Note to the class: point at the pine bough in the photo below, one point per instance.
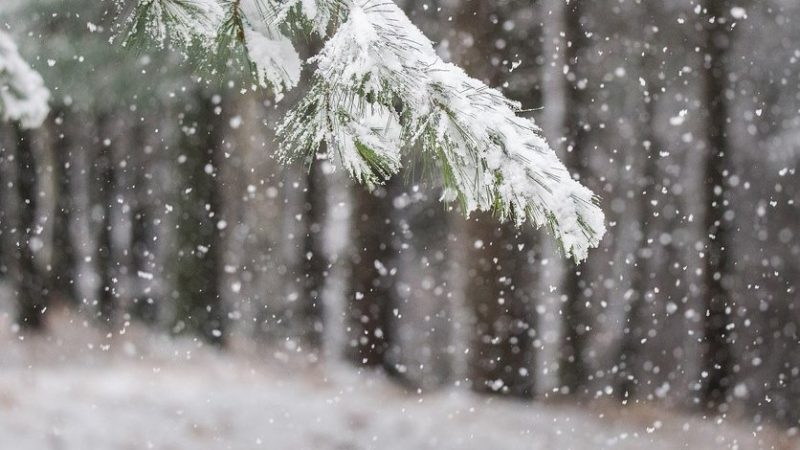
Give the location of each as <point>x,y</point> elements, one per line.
<point>23,96</point>
<point>378,88</point>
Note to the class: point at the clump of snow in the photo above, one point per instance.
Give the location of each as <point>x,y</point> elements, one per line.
<point>23,95</point>
<point>277,62</point>
<point>737,12</point>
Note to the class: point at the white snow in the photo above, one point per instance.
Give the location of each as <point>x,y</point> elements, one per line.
<point>379,88</point>
<point>23,96</point>
<point>495,158</point>
<point>67,392</point>
<point>144,275</point>
<point>737,12</point>
<point>277,61</point>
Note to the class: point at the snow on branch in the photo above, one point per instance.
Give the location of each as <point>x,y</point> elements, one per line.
<point>23,96</point>
<point>309,15</point>
<point>243,34</point>
<point>179,21</point>
<point>380,89</point>
<point>248,37</point>
<point>378,73</point>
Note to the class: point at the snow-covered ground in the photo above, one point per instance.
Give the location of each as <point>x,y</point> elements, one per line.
<point>70,391</point>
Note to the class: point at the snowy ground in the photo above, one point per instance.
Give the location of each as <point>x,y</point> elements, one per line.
<point>70,391</point>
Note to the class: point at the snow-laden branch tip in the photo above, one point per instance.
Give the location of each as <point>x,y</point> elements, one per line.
<point>23,95</point>
<point>380,89</point>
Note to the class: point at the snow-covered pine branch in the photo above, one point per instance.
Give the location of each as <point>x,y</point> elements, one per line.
<point>241,33</point>
<point>179,21</point>
<point>23,96</point>
<point>379,89</point>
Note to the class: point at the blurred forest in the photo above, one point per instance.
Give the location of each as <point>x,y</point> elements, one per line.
<point>153,195</point>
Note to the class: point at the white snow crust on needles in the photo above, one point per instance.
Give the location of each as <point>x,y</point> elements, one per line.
<point>276,61</point>
<point>493,159</point>
<point>23,96</point>
<point>379,90</point>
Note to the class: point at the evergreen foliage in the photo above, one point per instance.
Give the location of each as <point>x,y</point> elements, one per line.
<point>378,88</point>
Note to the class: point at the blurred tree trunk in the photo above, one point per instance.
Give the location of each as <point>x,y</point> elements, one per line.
<point>315,264</point>
<point>502,353</point>
<point>62,281</point>
<point>105,181</point>
<point>30,281</point>
<point>573,367</point>
<point>635,326</point>
<point>8,213</point>
<point>423,334</point>
<point>144,306</point>
<point>286,320</point>
<point>500,260</point>
<point>718,358</point>
<point>143,236</point>
<point>161,196</point>
<point>81,198</point>
<point>198,227</point>
<point>369,310</point>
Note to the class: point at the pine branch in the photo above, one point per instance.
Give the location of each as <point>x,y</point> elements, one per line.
<point>242,35</point>
<point>379,88</point>
<point>180,22</point>
<point>305,16</point>
<point>256,48</point>
<point>361,137</point>
<point>490,158</point>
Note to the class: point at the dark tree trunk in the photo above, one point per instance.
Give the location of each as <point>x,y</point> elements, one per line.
<point>315,264</point>
<point>106,267</point>
<point>635,325</point>
<point>144,306</point>
<point>369,307</point>
<point>502,354</point>
<point>30,282</point>
<point>198,230</point>
<point>573,368</point>
<point>143,235</point>
<point>62,280</point>
<point>8,216</point>
<point>718,358</point>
